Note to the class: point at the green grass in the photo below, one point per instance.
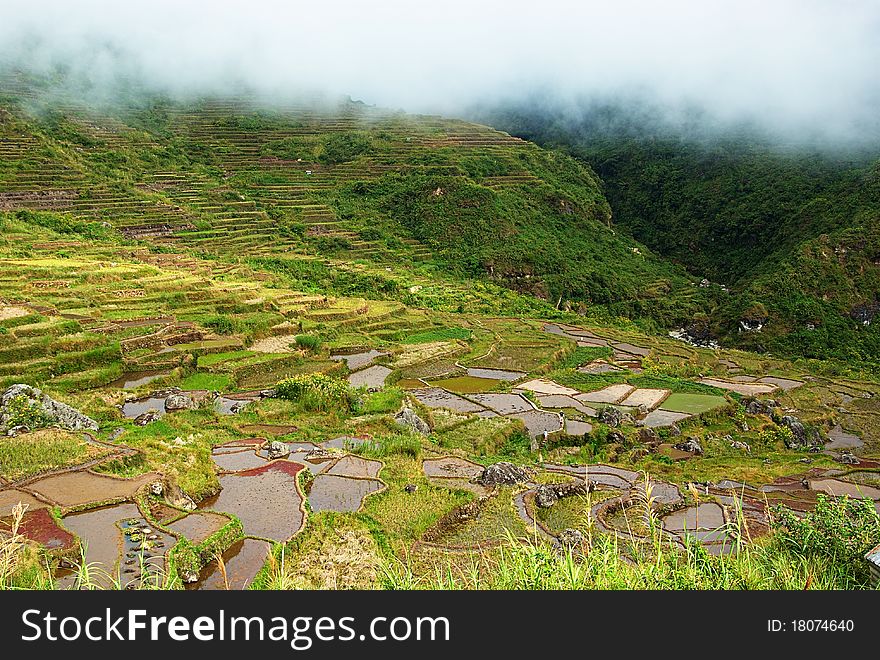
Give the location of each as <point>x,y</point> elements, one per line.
<point>442,334</point>
<point>203,381</point>
<point>43,450</point>
<point>694,404</point>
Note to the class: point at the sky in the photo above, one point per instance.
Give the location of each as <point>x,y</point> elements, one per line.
<point>791,64</point>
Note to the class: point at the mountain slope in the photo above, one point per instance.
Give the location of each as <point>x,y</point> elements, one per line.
<point>791,230</point>
<point>344,182</point>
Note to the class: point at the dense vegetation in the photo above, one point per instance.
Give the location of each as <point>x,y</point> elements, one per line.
<point>792,230</point>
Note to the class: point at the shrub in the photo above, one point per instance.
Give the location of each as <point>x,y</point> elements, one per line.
<point>22,411</point>
<point>773,435</point>
<point>308,342</point>
<point>221,324</point>
<point>839,530</point>
<point>318,392</point>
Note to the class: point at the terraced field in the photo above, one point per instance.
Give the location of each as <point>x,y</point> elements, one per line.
<point>267,366</point>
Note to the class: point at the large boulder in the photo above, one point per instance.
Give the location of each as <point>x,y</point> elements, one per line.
<point>571,538</point>
<point>802,436</point>
<point>409,419</point>
<point>610,416</point>
<point>52,411</point>
<point>276,450</point>
<point>503,473</point>
<point>178,401</point>
<point>691,445</point>
<point>546,495</point>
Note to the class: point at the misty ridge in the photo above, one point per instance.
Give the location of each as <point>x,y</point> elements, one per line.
<point>788,73</point>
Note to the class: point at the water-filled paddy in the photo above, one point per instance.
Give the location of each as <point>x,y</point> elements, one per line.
<point>435,397</point>
<point>503,404</point>
<point>134,380</point>
<point>495,374</point>
<point>337,493</point>
<point>467,384</point>
<point>241,563</point>
<point>372,378</point>
<point>266,500</point>
<point>113,554</point>
<point>197,527</point>
<point>358,360</point>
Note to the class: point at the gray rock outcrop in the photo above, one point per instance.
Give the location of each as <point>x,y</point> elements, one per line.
<point>53,412</point>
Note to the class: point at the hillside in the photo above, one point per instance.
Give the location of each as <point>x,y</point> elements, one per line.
<point>341,181</point>
<point>792,230</point>
<point>332,347</point>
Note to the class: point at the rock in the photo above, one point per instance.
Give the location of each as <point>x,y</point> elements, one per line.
<point>674,431</point>
<point>53,412</point>
<point>178,401</point>
<point>744,446</point>
<point>409,419</point>
<point>276,450</point>
<point>755,407</point>
<point>410,488</point>
<point>802,435</point>
<point>546,495</point>
<point>503,473</point>
<point>847,459</point>
<point>176,497</point>
<point>116,434</point>
<point>18,430</point>
<point>188,577</point>
<point>610,416</point>
<point>318,454</point>
<point>571,538</point>
<point>615,437</point>
<point>147,418</point>
<point>691,445</point>
<point>648,436</point>
<point>268,394</point>
<point>157,488</point>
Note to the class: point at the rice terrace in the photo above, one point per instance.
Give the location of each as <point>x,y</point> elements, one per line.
<point>317,344</point>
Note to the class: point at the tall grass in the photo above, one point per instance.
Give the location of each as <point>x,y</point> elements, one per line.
<point>790,558</point>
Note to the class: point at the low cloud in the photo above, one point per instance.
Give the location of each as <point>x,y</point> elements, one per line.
<point>793,65</point>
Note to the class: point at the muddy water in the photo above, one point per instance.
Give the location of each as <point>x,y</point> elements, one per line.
<point>372,378</point>
<point>467,384</point>
<point>335,493</point>
<point>840,488</point>
<point>234,461</point>
<point>451,467</point>
<point>503,404</point>
<point>265,499</point>
<point>83,487</point>
<point>241,562</point>
<point>114,554</point>
<point>495,374</point>
<point>840,439</point>
<point>197,527</point>
<point>563,401</point>
<point>9,497</point>
<point>41,527</point>
<point>659,418</point>
<point>434,397</point>
<point>538,422</point>
<point>134,409</point>
<point>706,516</point>
<point>136,379</point>
<point>226,406</point>
<point>356,361</point>
<point>355,466</point>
